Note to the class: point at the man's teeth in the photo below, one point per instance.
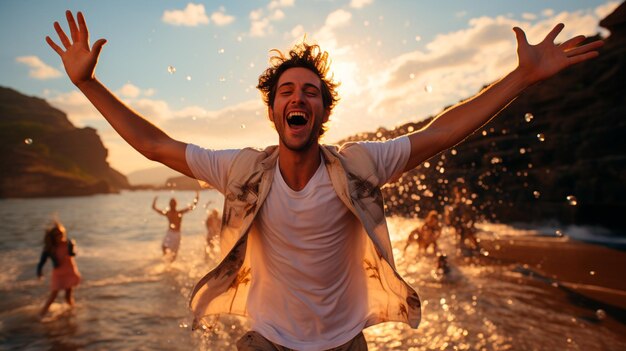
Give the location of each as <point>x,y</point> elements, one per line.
<point>296,118</point>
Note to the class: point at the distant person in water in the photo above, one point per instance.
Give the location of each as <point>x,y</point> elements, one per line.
<point>65,275</point>
<point>462,217</point>
<point>213,227</point>
<point>171,242</point>
<point>426,235</point>
<point>306,251</point>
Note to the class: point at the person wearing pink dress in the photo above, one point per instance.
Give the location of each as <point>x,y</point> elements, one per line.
<point>65,275</point>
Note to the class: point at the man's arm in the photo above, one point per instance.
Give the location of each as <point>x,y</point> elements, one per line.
<point>535,63</point>
<point>80,60</point>
<point>192,205</point>
<point>155,208</point>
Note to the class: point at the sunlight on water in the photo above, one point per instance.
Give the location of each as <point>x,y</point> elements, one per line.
<point>130,298</point>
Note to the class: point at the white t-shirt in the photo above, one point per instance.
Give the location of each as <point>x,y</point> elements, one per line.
<point>308,289</point>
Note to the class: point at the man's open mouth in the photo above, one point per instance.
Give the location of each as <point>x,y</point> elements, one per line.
<point>296,119</point>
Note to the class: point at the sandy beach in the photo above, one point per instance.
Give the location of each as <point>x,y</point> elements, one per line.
<point>594,271</point>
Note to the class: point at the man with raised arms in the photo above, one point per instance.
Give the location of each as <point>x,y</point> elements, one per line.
<point>306,251</point>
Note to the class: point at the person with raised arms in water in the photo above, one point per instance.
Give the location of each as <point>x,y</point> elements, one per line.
<point>171,241</point>
<point>306,253</point>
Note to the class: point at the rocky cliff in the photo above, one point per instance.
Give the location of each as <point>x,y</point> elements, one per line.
<point>557,152</point>
<point>43,154</point>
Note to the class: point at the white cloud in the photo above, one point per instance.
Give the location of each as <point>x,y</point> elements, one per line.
<point>78,109</point>
<point>297,31</point>
<point>220,18</point>
<point>280,3</point>
<point>192,16</point>
<point>129,90</point>
<point>261,24</point>
<point>606,9</point>
<point>260,28</point>
<point>277,15</point>
<point>38,69</point>
<point>529,16</point>
<point>338,18</point>
<point>547,12</point>
<point>357,4</point>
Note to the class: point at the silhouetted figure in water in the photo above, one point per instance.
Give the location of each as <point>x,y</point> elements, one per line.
<point>213,226</point>
<point>306,251</point>
<point>426,235</point>
<point>462,218</point>
<point>171,241</point>
<point>65,276</point>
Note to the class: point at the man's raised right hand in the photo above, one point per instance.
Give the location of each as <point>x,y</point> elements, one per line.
<point>78,58</point>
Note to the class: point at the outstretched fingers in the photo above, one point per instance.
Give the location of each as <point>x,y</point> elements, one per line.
<point>82,26</point>
<point>72,24</point>
<point>554,33</point>
<point>64,40</point>
<point>585,49</point>
<point>54,46</point>
<point>583,57</point>
<point>572,43</point>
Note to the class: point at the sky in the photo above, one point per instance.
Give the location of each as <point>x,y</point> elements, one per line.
<point>191,68</point>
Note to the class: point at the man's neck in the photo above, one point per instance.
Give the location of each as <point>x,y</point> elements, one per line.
<point>298,167</point>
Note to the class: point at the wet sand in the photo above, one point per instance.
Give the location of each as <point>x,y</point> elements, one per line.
<point>594,271</point>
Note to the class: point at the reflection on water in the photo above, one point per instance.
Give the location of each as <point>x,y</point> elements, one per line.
<point>130,299</point>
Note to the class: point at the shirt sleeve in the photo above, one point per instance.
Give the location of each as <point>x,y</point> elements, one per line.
<point>390,156</point>
<point>210,166</point>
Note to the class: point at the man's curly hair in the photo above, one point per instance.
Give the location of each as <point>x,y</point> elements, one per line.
<point>301,55</point>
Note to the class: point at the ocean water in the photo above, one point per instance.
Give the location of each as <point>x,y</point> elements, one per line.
<point>130,299</point>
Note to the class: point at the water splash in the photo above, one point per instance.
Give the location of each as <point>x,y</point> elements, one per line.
<point>528,117</point>
<point>571,199</point>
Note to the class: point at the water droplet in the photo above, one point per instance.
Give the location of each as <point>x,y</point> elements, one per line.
<point>559,233</point>
<point>222,79</point>
<point>496,160</point>
<point>536,194</point>
<point>243,126</point>
<point>592,272</point>
<point>418,38</point>
<point>28,141</point>
<point>426,164</point>
<point>541,137</point>
<point>188,77</point>
<point>522,151</point>
<point>453,151</point>
<point>528,117</point>
<point>220,51</point>
<point>412,75</point>
<point>600,314</point>
<point>571,199</point>
<point>171,69</point>
<point>193,118</point>
<point>428,88</point>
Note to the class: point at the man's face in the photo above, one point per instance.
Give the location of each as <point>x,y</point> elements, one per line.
<point>298,111</point>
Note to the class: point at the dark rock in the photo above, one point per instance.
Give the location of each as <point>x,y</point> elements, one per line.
<point>42,154</point>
